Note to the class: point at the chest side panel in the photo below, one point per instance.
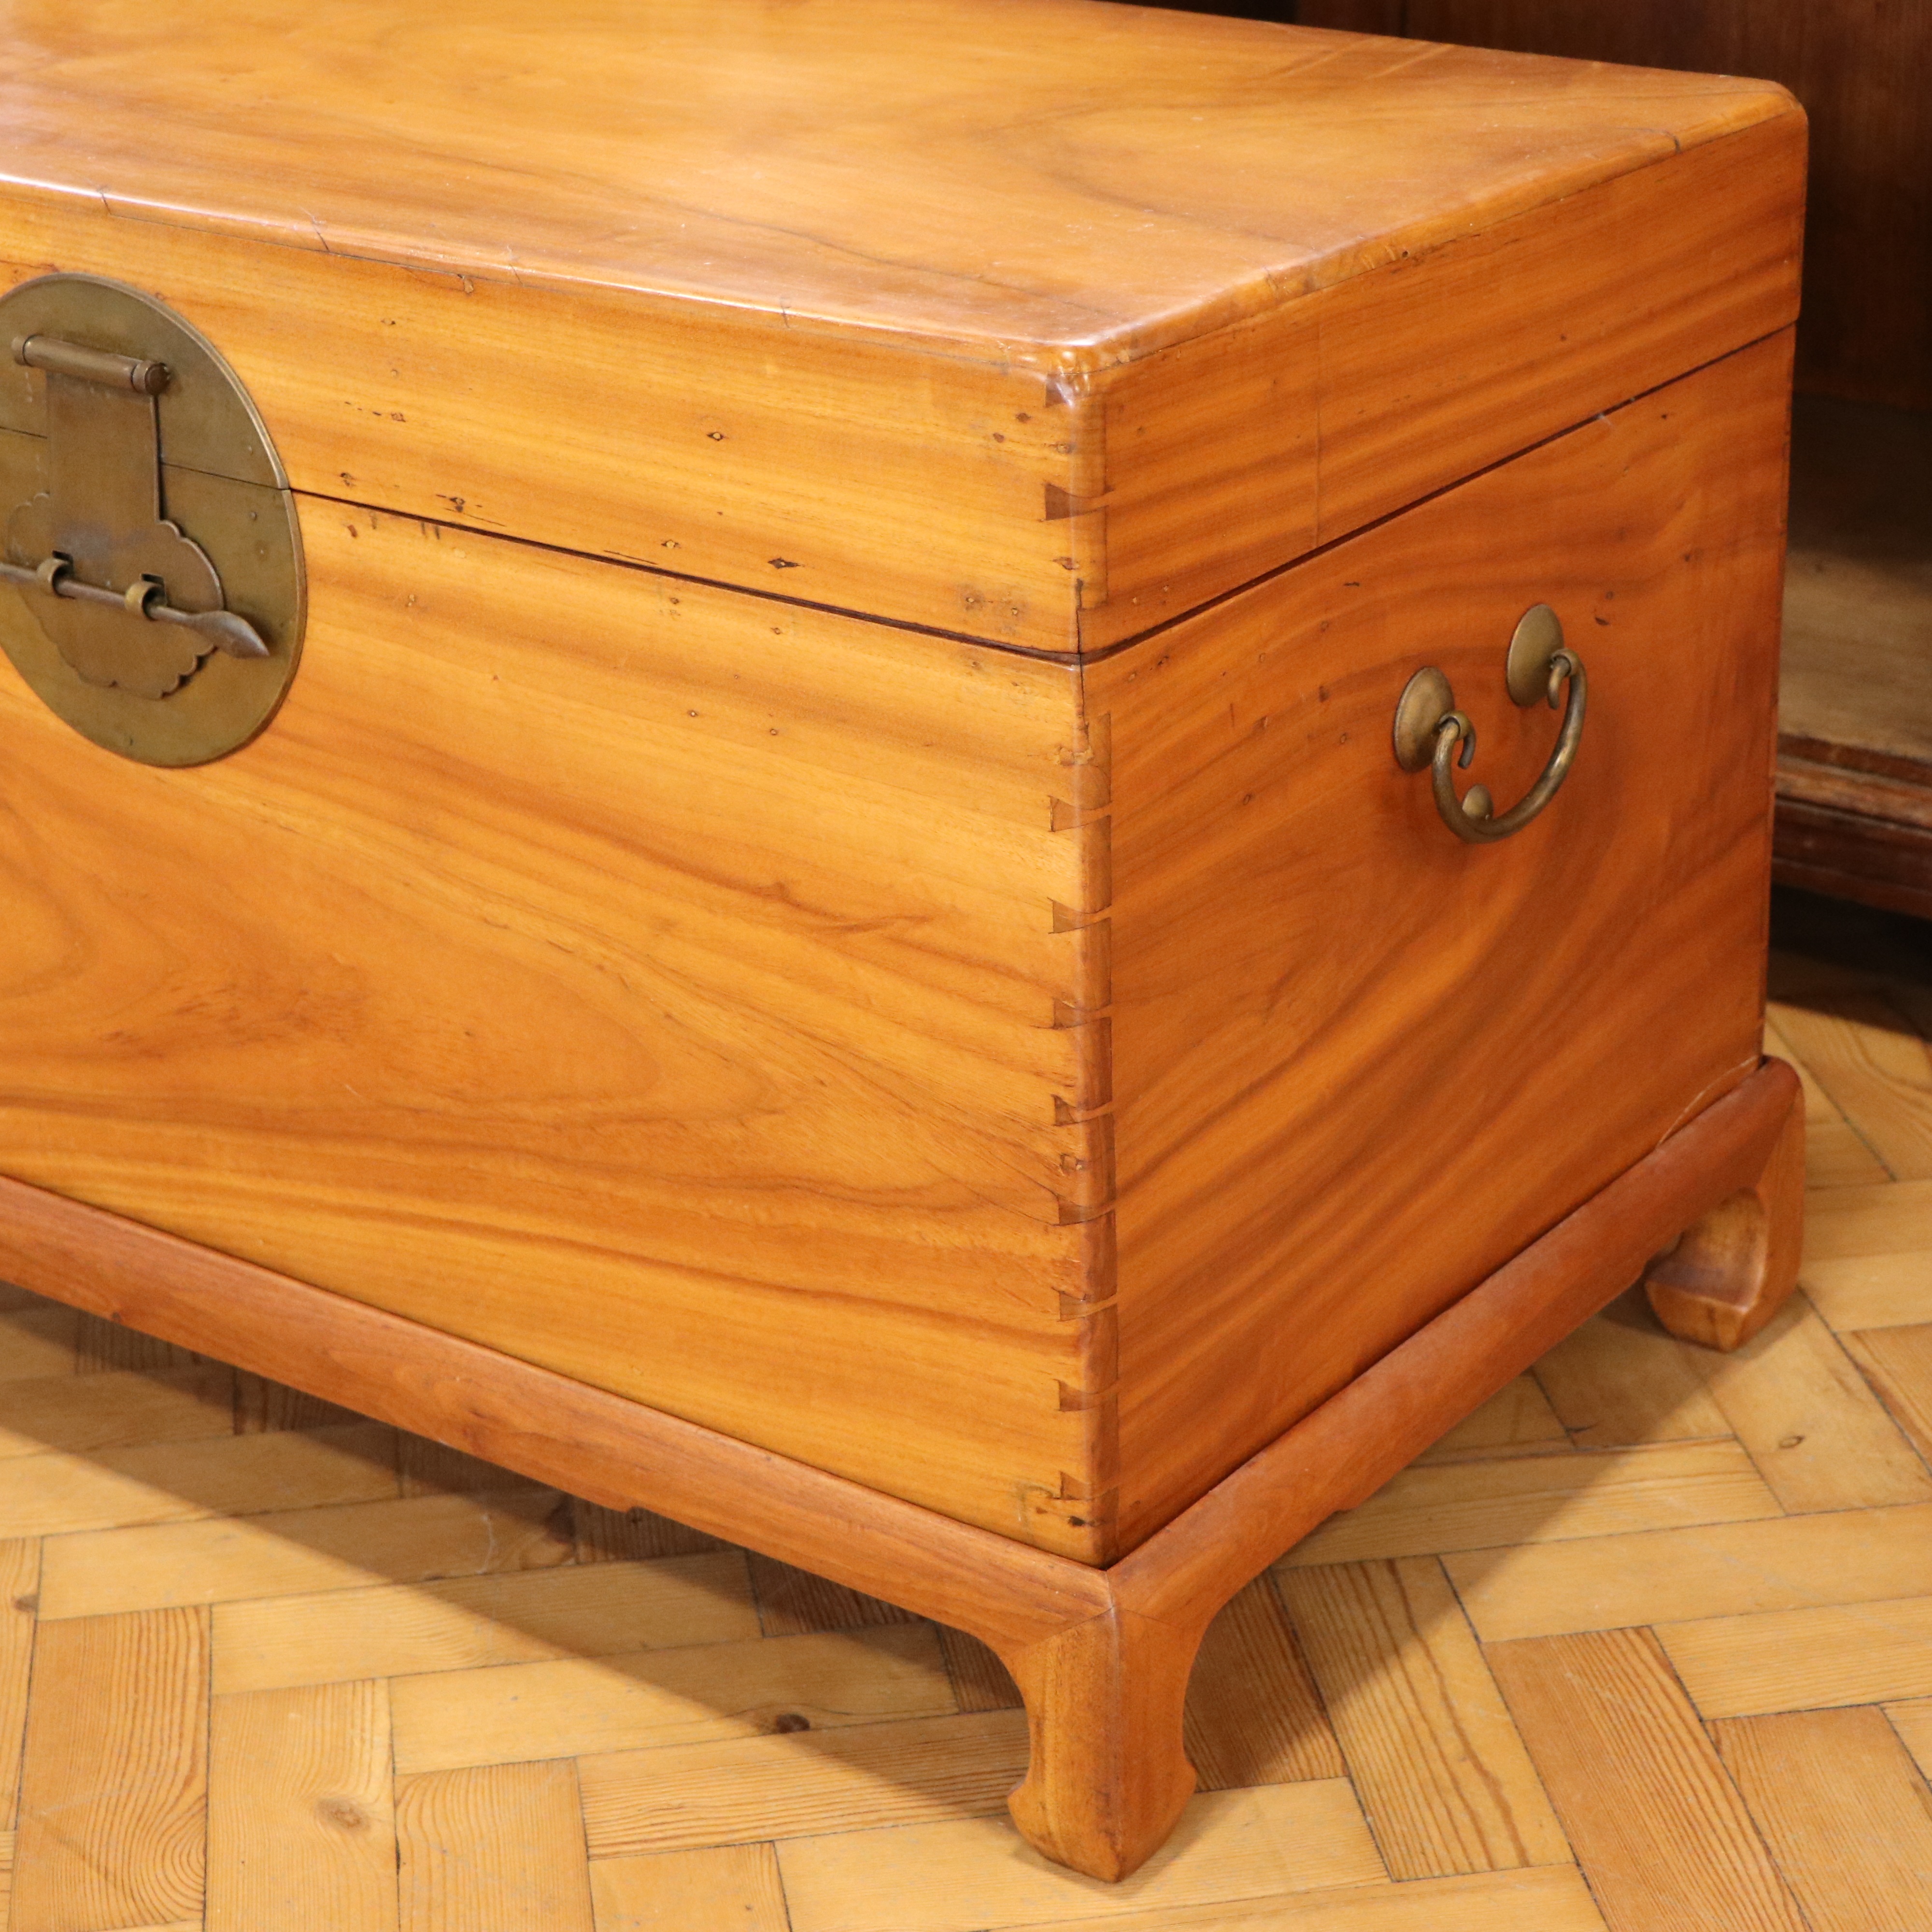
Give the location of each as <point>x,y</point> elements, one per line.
<point>676,989</point>
<point>1358,1063</point>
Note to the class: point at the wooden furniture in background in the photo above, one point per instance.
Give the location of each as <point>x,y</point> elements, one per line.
<point>1854,784</point>
<point>831,917</point>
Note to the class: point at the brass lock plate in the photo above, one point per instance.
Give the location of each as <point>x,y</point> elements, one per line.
<point>151,590</point>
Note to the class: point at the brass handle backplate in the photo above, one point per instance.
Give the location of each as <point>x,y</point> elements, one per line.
<point>1430,732</point>
<point>151,579</point>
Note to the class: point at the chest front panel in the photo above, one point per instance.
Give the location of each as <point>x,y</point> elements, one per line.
<point>675,989</point>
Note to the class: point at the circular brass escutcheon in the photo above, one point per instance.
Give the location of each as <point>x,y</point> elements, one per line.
<point>1537,637</point>
<point>155,597</point>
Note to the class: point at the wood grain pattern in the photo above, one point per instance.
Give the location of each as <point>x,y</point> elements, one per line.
<point>1866,1262</point>
<point>1102,1659</point>
<point>1440,1772</point>
<point>1517,1420</point>
<point>300,1826</point>
<point>633,1535</point>
<point>831,395</point>
<point>1434,1509</point>
<point>107,1571</point>
<point>1253,1715</point>
<point>803,1094</point>
<point>468,1623</point>
<point>1868,1057</point>
<point>1867,294</point>
<point>1709,1569</point>
<point>1620,1380</point>
<point>172,1482</point>
<point>1637,1785</point>
<point>792,1602</point>
<point>1804,1660</point>
<point>1819,1436</point>
<point>584,1706</point>
<point>733,1886</point>
<point>1844,1811</point>
<point>800,1783</point>
<point>20,1601</point>
<point>1899,1362</point>
<point>114,1780</point>
<point>1835,1152</point>
<point>1255,1085</point>
<point>959,1877</point>
<point>1545,1899</point>
<point>1734,1267</point>
<point>499,1846</point>
<point>117,1409</point>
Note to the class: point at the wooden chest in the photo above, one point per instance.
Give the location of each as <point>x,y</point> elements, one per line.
<point>802,909</point>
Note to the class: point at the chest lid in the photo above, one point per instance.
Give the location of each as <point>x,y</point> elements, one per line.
<point>1036,322</point>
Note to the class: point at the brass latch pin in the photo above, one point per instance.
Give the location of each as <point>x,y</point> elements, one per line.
<point>224,629</point>
<point>143,377</point>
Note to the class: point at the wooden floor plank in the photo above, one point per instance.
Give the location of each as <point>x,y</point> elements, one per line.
<point>19,1587</point>
<point>635,1536</point>
<point>667,1697</point>
<point>1871,1060</point>
<point>977,1873</point>
<point>731,1888</point>
<point>116,1410</point>
<point>102,1347</point>
<point>1804,1660</point>
<point>1429,1509</point>
<point>794,1602</point>
<point>37,1341</point>
<point>401,1629</point>
<point>1671,1576</point>
<point>261,1406</point>
<point>1659,1828</point>
<point>426,1469</point>
<point>980,1681</point>
<point>1620,1380</point>
<point>1844,1810</point>
<point>1539,1898</point>
<point>280,1552</point>
<point>1253,1715</point>
<point>114,1779</point>
<point>1436,1761</point>
<point>301,1833</point>
<point>498,1849</point>
<point>802,1784</point>
<point>1868,1259</point>
<point>1899,1362</point>
<point>176,1482</point>
<point>1819,1437</point>
<point>1863,1291</point>
<point>1517,1417</point>
<point>1835,1154</point>
<point>1912,1722</point>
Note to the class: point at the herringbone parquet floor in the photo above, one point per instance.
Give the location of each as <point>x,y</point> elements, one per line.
<point>1646,1644</point>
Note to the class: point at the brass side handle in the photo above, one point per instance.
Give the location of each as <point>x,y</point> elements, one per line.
<point>1430,731</point>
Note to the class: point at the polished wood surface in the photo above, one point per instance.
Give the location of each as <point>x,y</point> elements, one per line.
<point>727,316</point>
<point>839,1061</point>
<point>1102,1658</point>
<point>1514,1533</point>
<point>609,1451</point>
<point>1734,1270</point>
<point>686,994</point>
<point>1313,982</point>
<point>1854,64</point>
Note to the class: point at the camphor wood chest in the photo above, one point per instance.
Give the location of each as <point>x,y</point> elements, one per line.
<point>826,933</point>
